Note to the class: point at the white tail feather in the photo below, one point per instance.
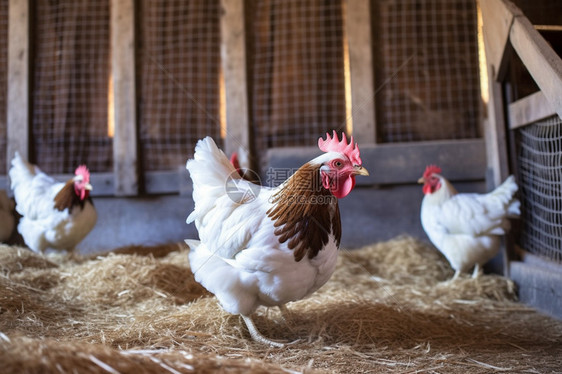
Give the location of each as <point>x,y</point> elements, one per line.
<point>506,194</point>
<point>21,171</point>
<point>209,170</point>
<point>21,177</point>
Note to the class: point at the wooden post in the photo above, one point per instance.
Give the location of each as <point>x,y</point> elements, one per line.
<point>233,60</point>
<point>497,18</point>
<point>125,163</point>
<point>18,103</point>
<point>496,143</point>
<point>358,30</point>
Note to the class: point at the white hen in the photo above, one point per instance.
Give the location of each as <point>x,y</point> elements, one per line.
<point>7,219</point>
<point>54,214</point>
<point>466,227</point>
<point>268,246</point>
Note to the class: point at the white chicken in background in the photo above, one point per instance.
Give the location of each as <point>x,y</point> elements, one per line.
<point>54,214</point>
<point>466,227</point>
<point>268,246</point>
<point>241,162</point>
<point>7,219</point>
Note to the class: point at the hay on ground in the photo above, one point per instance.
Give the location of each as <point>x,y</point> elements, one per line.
<point>388,308</point>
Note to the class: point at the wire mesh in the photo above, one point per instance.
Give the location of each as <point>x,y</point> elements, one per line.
<point>179,65</point>
<point>427,75</point>
<point>539,169</point>
<point>297,71</point>
<point>70,43</point>
<point>3,82</point>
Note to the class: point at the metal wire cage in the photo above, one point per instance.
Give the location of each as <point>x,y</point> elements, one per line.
<point>426,64</point>
<point>539,169</point>
<point>537,159</point>
<point>179,85</point>
<point>427,73</point>
<point>296,70</point>
<point>70,43</point>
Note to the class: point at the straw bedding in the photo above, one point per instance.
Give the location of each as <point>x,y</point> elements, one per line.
<point>388,308</point>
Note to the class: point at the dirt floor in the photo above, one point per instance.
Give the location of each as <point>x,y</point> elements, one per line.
<point>388,308</point>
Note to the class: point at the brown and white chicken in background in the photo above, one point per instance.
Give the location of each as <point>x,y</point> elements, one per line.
<point>7,219</point>
<point>54,214</point>
<point>466,227</point>
<point>263,246</point>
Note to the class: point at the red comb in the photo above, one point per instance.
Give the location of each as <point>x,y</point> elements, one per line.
<point>84,172</point>
<point>333,144</point>
<point>431,169</point>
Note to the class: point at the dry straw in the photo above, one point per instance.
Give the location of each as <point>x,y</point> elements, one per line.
<point>388,309</point>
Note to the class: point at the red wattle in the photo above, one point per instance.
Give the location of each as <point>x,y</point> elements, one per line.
<point>343,187</point>
<point>428,188</point>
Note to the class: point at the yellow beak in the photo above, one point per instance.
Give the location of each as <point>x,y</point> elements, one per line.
<point>88,187</point>
<point>360,170</point>
<point>421,180</point>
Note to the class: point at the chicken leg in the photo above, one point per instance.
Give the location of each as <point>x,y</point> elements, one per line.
<point>456,276</point>
<point>257,336</point>
<point>477,271</point>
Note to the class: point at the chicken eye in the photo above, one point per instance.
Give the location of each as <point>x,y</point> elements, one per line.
<point>338,164</point>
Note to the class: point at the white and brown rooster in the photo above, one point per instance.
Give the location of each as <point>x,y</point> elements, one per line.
<point>268,246</point>
<point>466,227</point>
<point>54,214</point>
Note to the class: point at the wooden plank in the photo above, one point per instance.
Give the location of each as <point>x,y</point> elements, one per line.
<point>233,62</point>
<point>556,28</point>
<point>102,183</point>
<point>18,102</point>
<point>161,182</point>
<point>123,70</point>
<point>4,182</point>
<point>166,182</point>
<point>544,65</point>
<point>529,109</point>
<point>495,134</point>
<point>539,285</point>
<point>358,33</point>
<point>461,160</point>
<point>498,136</point>
<point>497,18</point>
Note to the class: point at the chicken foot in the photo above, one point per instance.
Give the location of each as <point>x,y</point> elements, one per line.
<point>257,336</point>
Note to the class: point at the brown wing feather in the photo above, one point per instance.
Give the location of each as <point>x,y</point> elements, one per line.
<point>67,198</point>
<point>301,212</point>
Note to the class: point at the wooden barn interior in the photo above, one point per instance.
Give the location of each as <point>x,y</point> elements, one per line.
<point>128,87</point>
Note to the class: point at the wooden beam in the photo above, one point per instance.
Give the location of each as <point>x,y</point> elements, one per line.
<point>233,62</point>
<point>165,182</point>
<point>125,158</point>
<point>495,133</point>
<point>4,182</point>
<point>556,28</point>
<point>544,65</point>
<point>18,103</point>
<point>529,109</point>
<point>538,282</point>
<point>103,183</point>
<point>396,163</point>
<point>497,18</point>
<point>361,68</point>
